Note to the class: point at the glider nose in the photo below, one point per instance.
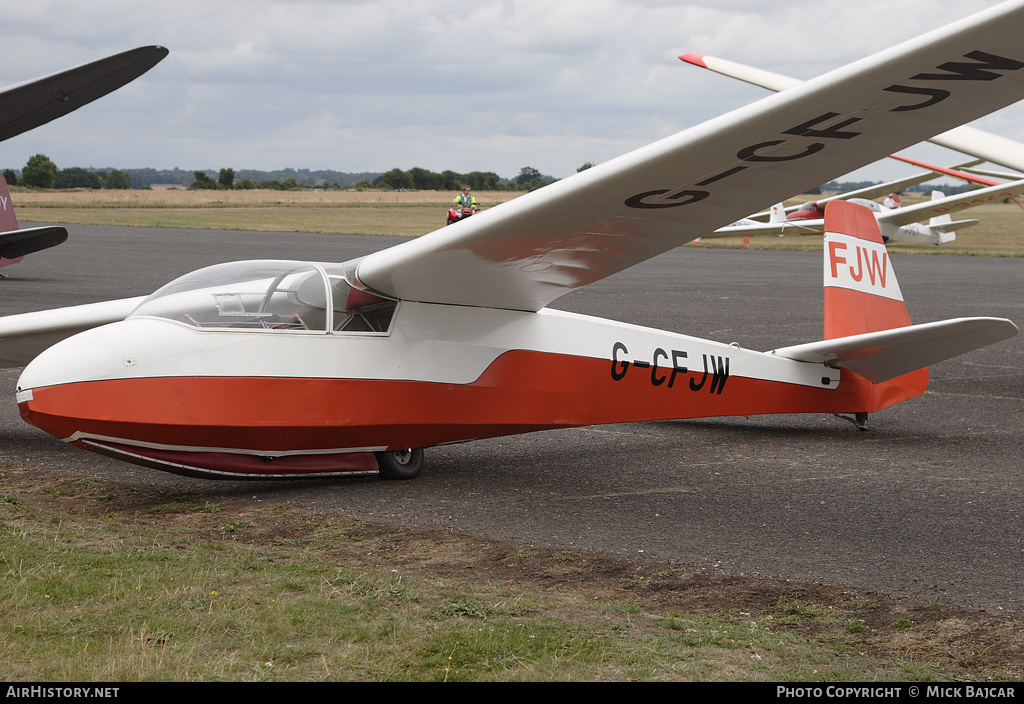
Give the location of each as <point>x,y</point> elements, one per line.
<point>58,389</point>
<point>81,383</point>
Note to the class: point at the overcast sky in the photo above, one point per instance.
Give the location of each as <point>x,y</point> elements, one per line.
<point>369,85</point>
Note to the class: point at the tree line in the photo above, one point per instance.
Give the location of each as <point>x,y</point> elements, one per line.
<point>529,179</point>
<point>41,172</point>
<point>396,179</point>
<point>847,186</point>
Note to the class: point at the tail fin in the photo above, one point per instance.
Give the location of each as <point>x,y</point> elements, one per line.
<point>942,227</point>
<point>943,219</point>
<point>861,291</point>
<point>868,333</point>
<point>862,294</point>
<point>883,359</point>
<point>8,221</point>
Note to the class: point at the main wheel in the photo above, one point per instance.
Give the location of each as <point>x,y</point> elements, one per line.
<point>400,464</point>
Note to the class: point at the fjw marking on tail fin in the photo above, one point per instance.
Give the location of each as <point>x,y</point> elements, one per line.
<point>867,329</point>
<point>15,243</point>
<point>861,290</point>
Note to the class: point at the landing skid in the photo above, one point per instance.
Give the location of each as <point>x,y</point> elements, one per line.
<point>858,419</point>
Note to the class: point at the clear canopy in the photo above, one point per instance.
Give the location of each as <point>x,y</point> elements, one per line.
<point>270,295</point>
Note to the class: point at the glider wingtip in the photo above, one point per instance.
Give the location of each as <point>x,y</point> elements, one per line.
<point>154,52</point>
<point>695,59</point>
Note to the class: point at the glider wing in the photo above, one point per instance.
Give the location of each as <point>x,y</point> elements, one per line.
<point>525,253</point>
<point>25,335</point>
<point>28,105</point>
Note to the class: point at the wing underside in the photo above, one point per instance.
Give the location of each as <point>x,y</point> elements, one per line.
<point>28,105</point>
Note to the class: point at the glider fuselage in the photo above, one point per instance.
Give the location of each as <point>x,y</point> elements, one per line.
<point>289,401</point>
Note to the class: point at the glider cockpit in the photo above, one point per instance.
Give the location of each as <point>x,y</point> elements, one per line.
<point>270,295</point>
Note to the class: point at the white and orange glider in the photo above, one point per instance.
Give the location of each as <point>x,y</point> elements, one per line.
<point>903,224</point>
<point>283,369</point>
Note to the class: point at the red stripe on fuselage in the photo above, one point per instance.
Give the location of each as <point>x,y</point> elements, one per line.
<point>521,391</point>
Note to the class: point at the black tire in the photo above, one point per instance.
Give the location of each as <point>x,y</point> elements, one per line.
<point>401,464</point>
<point>450,221</point>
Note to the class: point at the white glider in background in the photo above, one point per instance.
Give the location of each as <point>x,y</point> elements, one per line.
<point>877,190</point>
<point>296,369</point>
<point>968,140</point>
<point>904,224</point>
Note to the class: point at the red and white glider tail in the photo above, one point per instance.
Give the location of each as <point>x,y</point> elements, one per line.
<point>868,333</point>
<point>8,221</point>
<point>15,243</point>
<point>862,294</point>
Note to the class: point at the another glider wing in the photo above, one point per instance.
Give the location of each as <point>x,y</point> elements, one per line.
<point>964,138</point>
<point>28,105</point>
<point>24,336</point>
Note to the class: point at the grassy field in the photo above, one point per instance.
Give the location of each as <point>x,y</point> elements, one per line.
<point>1000,233</point>
<point>116,582</point>
<point>406,214</point>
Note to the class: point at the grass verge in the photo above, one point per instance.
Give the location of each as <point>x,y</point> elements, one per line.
<point>105,581</point>
<point>407,214</point>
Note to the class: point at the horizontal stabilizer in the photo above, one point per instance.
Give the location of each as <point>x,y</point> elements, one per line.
<point>954,225</point>
<point>880,356</point>
<point>21,242</point>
